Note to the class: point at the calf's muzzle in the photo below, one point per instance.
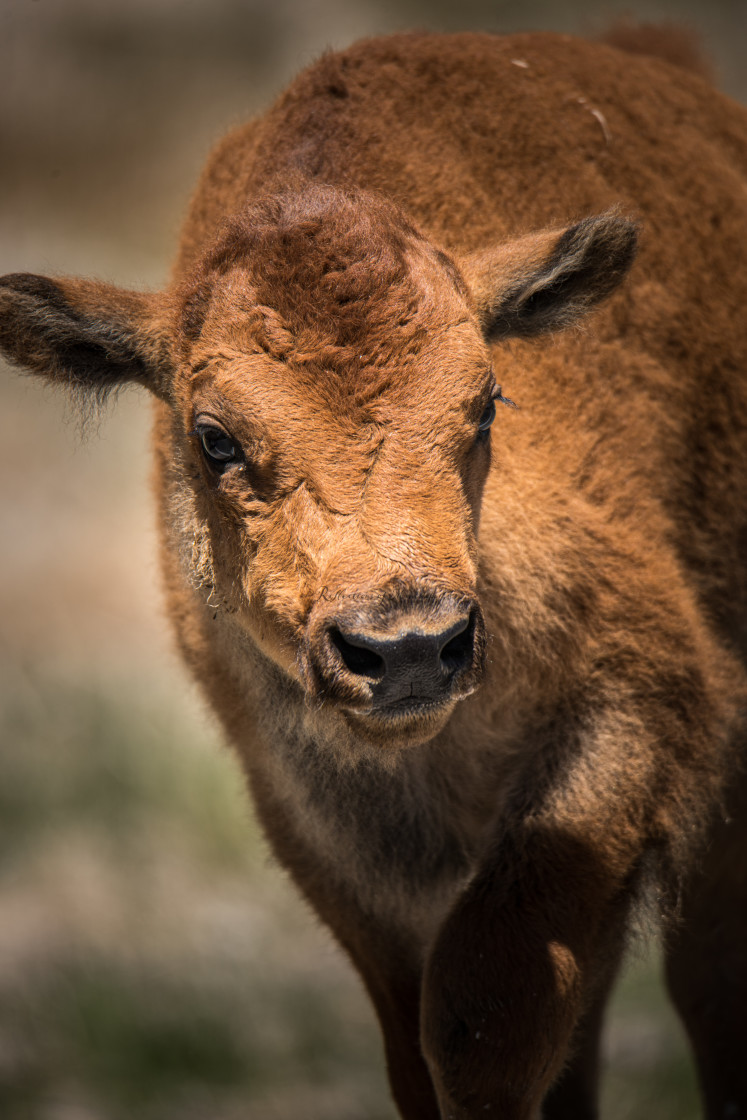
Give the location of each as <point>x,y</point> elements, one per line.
<point>395,659</point>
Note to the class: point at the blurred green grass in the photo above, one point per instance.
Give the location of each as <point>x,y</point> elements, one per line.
<point>78,756</point>
<point>648,1070</point>
<point>153,965</point>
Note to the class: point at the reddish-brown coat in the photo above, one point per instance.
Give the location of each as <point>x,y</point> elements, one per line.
<point>353,263</point>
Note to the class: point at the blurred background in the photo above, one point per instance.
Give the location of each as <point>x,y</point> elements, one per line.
<point>153,963</point>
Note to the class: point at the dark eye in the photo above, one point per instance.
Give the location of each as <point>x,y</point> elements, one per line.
<point>220,449</point>
<point>487,418</point>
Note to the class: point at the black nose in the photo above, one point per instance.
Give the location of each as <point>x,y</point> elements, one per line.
<point>410,664</point>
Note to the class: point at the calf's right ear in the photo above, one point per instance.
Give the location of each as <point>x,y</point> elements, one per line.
<point>86,334</point>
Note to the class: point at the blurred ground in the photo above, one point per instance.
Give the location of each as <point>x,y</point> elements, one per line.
<point>152,964</point>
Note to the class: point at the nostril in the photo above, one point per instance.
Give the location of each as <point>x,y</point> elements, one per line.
<point>458,651</point>
<point>357,659</point>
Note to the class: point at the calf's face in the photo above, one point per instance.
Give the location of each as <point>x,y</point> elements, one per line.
<point>331,386</point>
<point>335,396</point>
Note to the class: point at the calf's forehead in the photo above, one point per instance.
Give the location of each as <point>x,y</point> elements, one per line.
<point>438,375</point>
<point>348,303</point>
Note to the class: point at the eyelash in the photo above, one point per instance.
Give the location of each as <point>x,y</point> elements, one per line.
<point>488,416</point>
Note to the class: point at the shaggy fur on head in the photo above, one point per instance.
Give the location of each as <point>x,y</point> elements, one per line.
<point>327,278</point>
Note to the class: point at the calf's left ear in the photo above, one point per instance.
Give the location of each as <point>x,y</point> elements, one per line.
<point>548,280</point>
<point>85,334</point>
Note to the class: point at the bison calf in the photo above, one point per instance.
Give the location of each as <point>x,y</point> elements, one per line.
<point>483,665</point>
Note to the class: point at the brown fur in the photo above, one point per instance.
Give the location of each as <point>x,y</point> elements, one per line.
<point>362,270</point>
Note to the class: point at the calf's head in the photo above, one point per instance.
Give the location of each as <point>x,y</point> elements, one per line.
<point>331,379</point>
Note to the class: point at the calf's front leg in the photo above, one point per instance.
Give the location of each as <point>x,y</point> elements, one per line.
<point>528,950</point>
<point>522,957</point>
